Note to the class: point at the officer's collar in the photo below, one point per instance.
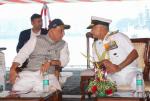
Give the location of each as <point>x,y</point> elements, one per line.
<point>106,37</point>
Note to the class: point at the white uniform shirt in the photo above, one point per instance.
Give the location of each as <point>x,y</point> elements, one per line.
<point>117,55</point>
<point>28,48</point>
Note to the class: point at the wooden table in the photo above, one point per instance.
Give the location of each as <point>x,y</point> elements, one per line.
<point>84,83</point>
<point>56,96</point>
<point>120,99</point>
<point>126,97</point>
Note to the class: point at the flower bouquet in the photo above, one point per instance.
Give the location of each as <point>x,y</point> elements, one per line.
<point>101,86</point>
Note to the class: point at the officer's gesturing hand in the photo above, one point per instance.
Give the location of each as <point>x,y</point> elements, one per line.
<point>110,67</point>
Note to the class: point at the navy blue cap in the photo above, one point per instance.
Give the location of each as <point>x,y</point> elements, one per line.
<point>58,22</point>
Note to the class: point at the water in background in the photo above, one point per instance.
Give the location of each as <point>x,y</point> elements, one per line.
<point>134,24</point>
<point>77,44</point>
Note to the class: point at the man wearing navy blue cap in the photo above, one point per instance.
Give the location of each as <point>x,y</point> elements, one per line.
<point>120,58</point>
<point>43,52</point>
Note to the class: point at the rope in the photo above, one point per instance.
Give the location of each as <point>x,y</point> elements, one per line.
<point>46,14</point>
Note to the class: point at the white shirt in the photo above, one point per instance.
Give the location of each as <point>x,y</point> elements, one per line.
<point>28,48</point>
<point>33,34</point>
<point>117,55</point>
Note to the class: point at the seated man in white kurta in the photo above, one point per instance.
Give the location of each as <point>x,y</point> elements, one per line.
<point>120,60</point>
<point>43,52</point>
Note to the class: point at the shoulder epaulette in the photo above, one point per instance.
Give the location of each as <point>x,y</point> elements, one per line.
<point>114,32</point>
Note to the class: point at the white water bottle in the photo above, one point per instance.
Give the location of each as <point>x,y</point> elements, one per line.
<point>45,82</point>
<point>139,84</point>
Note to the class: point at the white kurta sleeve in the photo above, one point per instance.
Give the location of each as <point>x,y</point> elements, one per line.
<point>64,55</point>
<point>25,51</point>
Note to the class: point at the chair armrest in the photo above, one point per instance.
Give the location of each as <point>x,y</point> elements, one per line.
<point>146,73</point>
<point>58,69</point>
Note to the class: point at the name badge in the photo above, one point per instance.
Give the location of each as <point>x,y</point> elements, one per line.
<point>110,45</point>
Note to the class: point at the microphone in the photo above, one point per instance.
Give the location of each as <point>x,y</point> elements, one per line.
<point>89,35</point>
<point>2,48</point>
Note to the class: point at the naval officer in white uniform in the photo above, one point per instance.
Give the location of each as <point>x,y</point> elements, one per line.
<point>120,58</point>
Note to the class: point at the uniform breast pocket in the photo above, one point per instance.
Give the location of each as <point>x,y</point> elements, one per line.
<point>114,53</point>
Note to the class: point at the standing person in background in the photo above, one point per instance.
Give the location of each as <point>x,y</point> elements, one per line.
<point>36,30</point>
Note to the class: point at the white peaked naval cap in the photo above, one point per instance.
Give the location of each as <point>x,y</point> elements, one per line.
<point>99,20</point>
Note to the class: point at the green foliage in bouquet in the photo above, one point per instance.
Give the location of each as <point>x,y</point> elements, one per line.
<point>102,88</point>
